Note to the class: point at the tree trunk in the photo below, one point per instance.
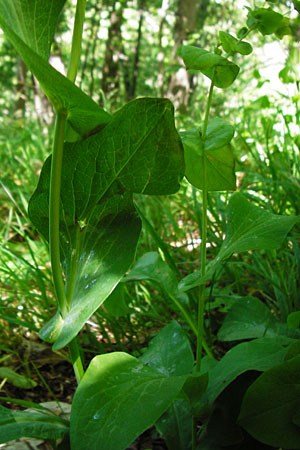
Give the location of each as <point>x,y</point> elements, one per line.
<point>114,51</point>
<point>21,89</point>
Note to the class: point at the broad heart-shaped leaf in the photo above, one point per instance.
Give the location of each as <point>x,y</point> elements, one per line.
<point>170,352</point>
<point>138,151</point>
<point>211,65</point>
<point>250,318</point>
<point>270,404</point>
<point>83,113</point>
<point>220,160</point>
<point>248,228</point>
<point>34,21</point>
<point>260,354</point>
<point>17,424</point>
<point>118,398</point>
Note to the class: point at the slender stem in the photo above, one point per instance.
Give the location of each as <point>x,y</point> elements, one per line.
<point>76,40</point>
<point>203,235</point>
<point>54,202</point>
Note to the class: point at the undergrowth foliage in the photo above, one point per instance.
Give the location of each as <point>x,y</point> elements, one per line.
<point>84,208</point>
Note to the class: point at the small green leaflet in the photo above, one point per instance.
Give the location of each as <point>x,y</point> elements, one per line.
<point>231,44</point>
<point>220,160</point>
<point>211,65</point>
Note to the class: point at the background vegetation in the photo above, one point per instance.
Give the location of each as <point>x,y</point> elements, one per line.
<point>130,50</point>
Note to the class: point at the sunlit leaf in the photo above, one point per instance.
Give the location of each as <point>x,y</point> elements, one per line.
<point>248,228</point>
<point>138,151</point>
<point>214,66</point>
<point>118,386</point>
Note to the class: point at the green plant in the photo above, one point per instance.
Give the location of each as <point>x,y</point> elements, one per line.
<point>83,205</point>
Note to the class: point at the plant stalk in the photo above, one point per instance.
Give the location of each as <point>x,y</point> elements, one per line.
<point>54,203</point>
<point>55,188</point>
<point>200,324</point>
<point>201,302</point>
<point>76,40</point>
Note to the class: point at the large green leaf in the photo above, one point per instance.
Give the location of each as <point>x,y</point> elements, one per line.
<point>212,65</point>
<point>138,151</point>
<point>248,228</point>
<point>270,405</point>
<point>34,21</point>
<point>17,424</point>
<point>220,160</point>
<point>107,251</point>
<point>170,351</point>
<point>250,318</point>
<point>118,398</point>
<point>30,26</point>
<point>260,354</point>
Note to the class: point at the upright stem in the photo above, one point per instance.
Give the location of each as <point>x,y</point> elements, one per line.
<point>55,188</point>
<point>200,325</point>
<point>201,302</point>
<point>54,202</point>
<point>76,40</point>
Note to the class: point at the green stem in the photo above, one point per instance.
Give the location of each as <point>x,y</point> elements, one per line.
<point>64,301</point>
<point>54,202</point>
<point>200,323</point>
<point>76,40</point>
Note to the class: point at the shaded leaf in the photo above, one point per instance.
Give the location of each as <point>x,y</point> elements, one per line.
<point>270,405</point>
<point>260,355</point>
<point>115,304</point>
<point>293,319</point>
<point>211,65</point>
<point>175,426</point>
<point>16,379</point>
<point>113,385</point>
<point>170,351</point>
<point>151,267</point>
<point>17,424</point>
<point>250,318</point>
